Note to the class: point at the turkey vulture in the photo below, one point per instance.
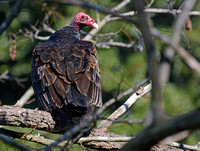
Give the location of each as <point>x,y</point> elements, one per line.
<point>65,72</point>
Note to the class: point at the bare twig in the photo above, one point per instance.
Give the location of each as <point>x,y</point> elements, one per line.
<point>104,125</point>
<point>6,139</point>
<point>118,44</point>
<point>150,3</point>
<point>13,14</point>
<point>5,76</point>
<point>104,139</point>
<point>33,138</point>
<point>185,56</point>
<point>176,137</point>
<point>40,37</point>
<point>171,8</point>
<point>37,31</point>
<point>110,34</point>
<point>22,101</point>
<point>161,11</point>
<point>44,141</point>
<point>188,147</point>
<point>129,121</point>
<point>47,28</point>
<point>131,90</point>
<point>107,45</point>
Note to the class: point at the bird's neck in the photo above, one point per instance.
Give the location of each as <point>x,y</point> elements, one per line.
<point>75,25</point>
<point>64,34</point>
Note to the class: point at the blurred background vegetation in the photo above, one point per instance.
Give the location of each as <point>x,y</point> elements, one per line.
<point>121,68</point>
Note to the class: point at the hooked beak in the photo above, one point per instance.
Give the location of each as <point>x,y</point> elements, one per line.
<point>95,25</point>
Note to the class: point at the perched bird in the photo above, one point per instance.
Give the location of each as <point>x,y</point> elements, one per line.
<point>65,72</point>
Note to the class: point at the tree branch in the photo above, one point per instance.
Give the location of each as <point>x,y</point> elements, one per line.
<point>153,130</point>
<point>117,44</point>
<point>13,14</point>
<point>13,143</point>
<point>111,141</point>
<point>104,125</point>
<point>74,130</point>
<point>42,120</point>
<point>28,137</point>
<point>4,76</point>
<point>167,11</point>
<point>106,19</point>
<point>168,54</point>
<point>150,136</point>
<point>109,11</point>
<point>189,147</point>
<point>27,95</point>
<point>108,141</point>
<point>68,134</point>
<point>184,55</point>
<point>155,113</point>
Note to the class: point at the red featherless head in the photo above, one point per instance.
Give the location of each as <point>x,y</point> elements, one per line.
<point>80,20</point>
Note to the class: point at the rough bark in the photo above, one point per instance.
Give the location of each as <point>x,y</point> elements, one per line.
<point>21,117</point>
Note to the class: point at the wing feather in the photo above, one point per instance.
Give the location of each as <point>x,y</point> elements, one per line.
<point>63,74</point>
<point>89,84</point>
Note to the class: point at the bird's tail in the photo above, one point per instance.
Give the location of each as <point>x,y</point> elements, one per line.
<point>70,114</point>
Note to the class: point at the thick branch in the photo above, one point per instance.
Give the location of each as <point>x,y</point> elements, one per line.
<point>152,135</point>
<point>155,112</point>
<point>16,116</point>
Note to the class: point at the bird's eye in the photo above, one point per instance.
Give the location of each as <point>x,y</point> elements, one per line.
<point>82,17</point>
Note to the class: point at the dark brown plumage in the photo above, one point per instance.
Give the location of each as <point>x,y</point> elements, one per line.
<point>65,72</point>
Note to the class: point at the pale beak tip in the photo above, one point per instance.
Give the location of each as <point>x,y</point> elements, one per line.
<point>95,25</point>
